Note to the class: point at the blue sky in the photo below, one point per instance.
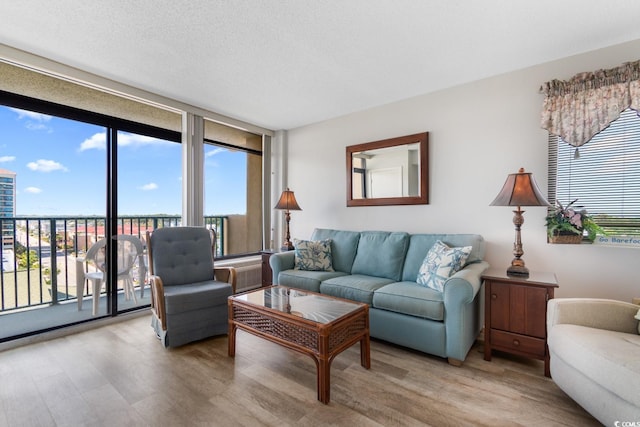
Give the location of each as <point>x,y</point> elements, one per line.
<point>61,168</point>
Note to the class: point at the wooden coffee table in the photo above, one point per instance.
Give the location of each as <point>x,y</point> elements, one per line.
<point>310,323</point>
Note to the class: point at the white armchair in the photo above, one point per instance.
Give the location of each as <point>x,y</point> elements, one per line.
<point>594,348</point>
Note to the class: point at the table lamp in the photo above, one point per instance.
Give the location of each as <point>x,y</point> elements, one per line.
<point>520,189</point>
<point>287,203</point>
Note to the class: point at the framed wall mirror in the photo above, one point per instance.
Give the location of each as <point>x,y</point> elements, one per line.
<point>389,172</point>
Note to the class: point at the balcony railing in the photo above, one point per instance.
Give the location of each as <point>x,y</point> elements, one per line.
<point>39,254</point>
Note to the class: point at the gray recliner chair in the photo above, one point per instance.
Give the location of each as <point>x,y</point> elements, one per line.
<point>188,295</point>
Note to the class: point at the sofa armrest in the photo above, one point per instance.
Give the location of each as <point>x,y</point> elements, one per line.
<point>281,261</point>
<point>464,285</point>
<point>596,313</point>
<point>463,310</point>
<point>226,274</point>
<point>157,300</point>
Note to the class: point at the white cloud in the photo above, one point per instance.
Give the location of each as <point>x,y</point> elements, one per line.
<point>35,121</point>
<point>38,126</point>
<point>125,139</point>
<point>97,141</point>
<point>33,190</point>
<point>210,159</point>
<point>31,115</point>
<point>42,165</point>
<point>5,159</point>
<point>215,151</point>
<point>149,187</point>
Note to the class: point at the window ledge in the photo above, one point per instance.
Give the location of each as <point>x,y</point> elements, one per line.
<point>239,262</point>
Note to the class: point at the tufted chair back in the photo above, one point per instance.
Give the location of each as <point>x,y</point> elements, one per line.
<point>181,255</point>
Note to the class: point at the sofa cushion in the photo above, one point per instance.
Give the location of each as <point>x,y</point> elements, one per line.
<point>381,254</point>
<point>355,287</point>
<point>637,316</point>
<point>344,245</point>
<point>440,263</point>
<point>305,279</point>
<point>410,298</point>
<point>419,245</point>
<point>195,296</point>
<point>609,358</point>
<point>313,255</point>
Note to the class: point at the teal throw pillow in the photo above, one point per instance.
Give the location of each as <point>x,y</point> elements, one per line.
<point>313,255</point>
<point>440,263</point>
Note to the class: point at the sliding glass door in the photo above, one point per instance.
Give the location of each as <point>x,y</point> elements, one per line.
<point>54,197</point>
<point>78,191</point>
<point>149,196</point>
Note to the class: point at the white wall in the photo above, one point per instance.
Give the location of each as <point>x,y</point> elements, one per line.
<point>478,133</point>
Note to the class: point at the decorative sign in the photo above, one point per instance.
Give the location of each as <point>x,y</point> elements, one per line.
<point>627,241</point>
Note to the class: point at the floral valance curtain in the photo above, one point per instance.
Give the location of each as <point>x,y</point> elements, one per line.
<point>579,108</point>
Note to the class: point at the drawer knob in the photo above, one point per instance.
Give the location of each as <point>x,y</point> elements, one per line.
<point>494,296</point>
<point>516,342</point>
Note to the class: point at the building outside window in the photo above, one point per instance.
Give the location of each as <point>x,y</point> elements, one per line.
<point>7,210</point>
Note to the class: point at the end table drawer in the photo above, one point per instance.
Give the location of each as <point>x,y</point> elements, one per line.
<point>518,343</point>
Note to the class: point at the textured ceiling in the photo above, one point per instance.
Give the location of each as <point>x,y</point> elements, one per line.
<point>287,63</point>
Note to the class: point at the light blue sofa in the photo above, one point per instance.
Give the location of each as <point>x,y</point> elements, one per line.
<point>380,268</point>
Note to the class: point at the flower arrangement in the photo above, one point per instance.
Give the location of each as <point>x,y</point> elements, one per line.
<point>565,220</point>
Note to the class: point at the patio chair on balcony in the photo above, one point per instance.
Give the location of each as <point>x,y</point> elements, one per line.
<point>188,295</point>
<point>129,249</point>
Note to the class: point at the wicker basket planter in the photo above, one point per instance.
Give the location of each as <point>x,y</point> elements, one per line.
<point>566,239</point>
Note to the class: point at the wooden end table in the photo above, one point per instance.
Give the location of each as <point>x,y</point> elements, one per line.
<point>267,273</point>
<point>317,325</point>
<point>515,315</point>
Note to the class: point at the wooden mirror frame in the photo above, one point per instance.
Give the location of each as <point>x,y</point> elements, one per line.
<point>421,199</point>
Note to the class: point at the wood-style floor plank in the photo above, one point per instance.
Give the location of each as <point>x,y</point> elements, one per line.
<point>120,375</point>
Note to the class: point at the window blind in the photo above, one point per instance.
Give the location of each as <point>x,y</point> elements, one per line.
<point>605,177</point>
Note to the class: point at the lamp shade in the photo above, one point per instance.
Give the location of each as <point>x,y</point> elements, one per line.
<point>520,189</point>
<point>288,201</point>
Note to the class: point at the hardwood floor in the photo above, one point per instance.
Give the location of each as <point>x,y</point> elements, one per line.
<point>119,375</point>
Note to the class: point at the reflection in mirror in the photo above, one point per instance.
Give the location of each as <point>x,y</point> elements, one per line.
<point>388,172</point>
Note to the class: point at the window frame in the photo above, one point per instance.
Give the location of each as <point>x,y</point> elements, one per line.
<point>112,126</point>
<point>247,151</point>
<point>557,169</point>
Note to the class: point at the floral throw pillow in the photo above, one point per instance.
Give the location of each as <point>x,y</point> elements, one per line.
<point>440,263</point>
<point>314,255</point>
